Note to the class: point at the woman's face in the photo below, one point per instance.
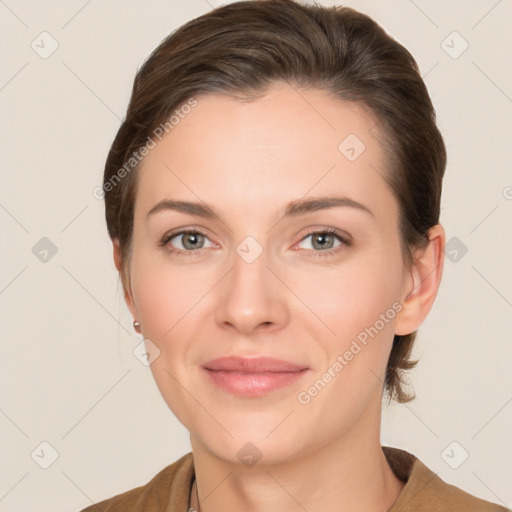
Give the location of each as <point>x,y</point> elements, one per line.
<point>316,286</point>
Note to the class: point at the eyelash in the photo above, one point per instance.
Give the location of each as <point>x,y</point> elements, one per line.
<point>345,242</point>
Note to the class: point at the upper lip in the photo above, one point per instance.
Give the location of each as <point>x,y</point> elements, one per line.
<point>255,364</point>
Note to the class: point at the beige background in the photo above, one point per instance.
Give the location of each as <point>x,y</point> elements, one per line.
<point>68,375</point>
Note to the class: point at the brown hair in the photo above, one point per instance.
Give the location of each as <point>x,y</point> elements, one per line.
<point>241,48</point>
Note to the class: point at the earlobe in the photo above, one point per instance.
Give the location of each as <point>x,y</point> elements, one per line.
<point>422,284</point>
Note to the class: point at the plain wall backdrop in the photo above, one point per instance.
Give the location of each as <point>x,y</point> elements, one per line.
<point>69,378</point>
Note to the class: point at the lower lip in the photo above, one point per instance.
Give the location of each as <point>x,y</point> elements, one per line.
<point>253,384</point>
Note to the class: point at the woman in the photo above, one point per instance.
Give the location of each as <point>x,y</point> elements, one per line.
<point>273,199</point>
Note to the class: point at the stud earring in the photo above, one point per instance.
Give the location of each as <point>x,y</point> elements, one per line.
<point>136,326</point>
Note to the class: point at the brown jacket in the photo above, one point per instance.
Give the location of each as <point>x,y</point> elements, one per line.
<point>169,490</point>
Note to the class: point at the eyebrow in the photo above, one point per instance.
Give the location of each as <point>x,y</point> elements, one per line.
<point>293,208</point>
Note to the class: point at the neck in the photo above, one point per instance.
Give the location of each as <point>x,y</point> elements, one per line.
<point>350,474</point>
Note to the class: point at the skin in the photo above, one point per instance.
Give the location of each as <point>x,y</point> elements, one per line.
<point>247,161</point>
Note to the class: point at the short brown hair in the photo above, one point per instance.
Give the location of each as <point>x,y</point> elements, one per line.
<point>242,48</point>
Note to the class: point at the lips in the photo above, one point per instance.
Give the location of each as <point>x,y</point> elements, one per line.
<point>252,377</point>
<point>253,365</point>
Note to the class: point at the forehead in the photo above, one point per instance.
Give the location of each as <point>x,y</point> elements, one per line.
<point>284,145</point>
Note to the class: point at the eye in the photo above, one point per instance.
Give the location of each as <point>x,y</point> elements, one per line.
<point>323,242</point>
<point>188,242</point>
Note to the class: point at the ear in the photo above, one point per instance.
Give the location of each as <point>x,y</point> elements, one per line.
<point>422,283</point>
<point>128,296</point>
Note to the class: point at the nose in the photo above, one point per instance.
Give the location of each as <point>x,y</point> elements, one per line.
<point>252,299</point>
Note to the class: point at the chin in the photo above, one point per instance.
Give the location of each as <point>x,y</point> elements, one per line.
<point>257,442</point>
<point>250,453</point>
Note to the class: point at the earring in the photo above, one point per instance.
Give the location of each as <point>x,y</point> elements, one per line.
<point>136,326</point>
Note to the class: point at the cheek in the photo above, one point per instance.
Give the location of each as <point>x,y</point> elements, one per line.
<point>358,303</point>
<point>350,297</point>
<point>166,296</point>
<point>169,301</point>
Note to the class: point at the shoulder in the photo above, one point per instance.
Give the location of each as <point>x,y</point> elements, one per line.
<point>425,491</point>
<point>171,486</point>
